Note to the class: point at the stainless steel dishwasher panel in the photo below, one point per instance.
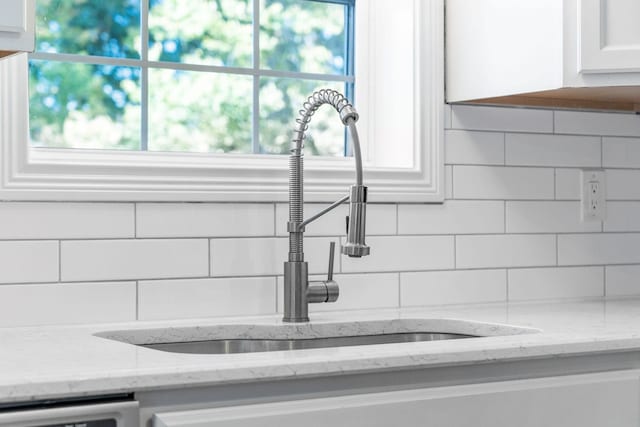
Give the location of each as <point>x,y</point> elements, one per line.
<point>119,414</point>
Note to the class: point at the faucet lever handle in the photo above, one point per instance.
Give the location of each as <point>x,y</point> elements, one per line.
<point>332,255</point>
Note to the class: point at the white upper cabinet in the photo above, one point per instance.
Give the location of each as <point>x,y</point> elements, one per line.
<point>609,36</point>
<point>554,53</point>
<point>17,26</point>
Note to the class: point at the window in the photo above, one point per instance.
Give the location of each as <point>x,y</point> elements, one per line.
<point>399,70</point>
<point>223,76</point>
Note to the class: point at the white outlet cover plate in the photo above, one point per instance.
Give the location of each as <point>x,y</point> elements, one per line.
<point>594,206</point>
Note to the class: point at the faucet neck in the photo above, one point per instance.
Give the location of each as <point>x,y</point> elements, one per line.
<point>298,292</point>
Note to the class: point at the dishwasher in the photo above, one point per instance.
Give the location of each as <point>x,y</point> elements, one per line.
<point>71,413</point>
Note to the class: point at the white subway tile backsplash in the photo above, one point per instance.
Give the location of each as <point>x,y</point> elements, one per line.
<point>621,152</point>
<point>568,184</point>
<point>84,260</point>
<point>30,220</point>
<point>622,216</point>
<point>587,123</point>
<point>474,148</point>
<point>511,216</point>
<point>381,220</point>
<point>622,280</point>
<point>403,253</point>
<point>266,256</point>
<point>199,298</point>
<point>492,182</point>
<point>552,150</point>
<point>598,249</point>
<point>551,283</point>
<point>357,292</point>
<point>58,303</point>
<point>548,217</point>
<point>452,217</point>
<point>496,251</point>
<point>501,119</point>
<point>623,184</point>
<point>204,220</point>
<point>245,257</point>
<point>32,261</point>
<point>452,287</point>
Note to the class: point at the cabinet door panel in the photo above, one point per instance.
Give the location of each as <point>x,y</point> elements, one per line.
<point>17,26</point>
<point>582,401</point>
<point>609,36</point>
<point>13,16</point>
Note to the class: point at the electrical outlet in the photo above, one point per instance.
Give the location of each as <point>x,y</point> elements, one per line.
<point>593,195</point>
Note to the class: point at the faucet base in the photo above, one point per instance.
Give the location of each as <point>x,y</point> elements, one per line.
<point>296,283</point>
<point>295,319</point>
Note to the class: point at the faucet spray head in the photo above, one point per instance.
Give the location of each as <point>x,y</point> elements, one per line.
<point>356,221</point>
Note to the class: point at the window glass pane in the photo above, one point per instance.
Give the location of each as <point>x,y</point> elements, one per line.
<point>84,106</point>
<point>199,112</point>
<point>201,32</point>
<point>280,101</point>
<point>302,35</point>
<point>90,27</point>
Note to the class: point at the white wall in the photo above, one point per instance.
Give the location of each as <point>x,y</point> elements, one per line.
<point>509,230</point>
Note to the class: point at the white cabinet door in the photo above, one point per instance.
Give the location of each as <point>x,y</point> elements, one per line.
<point>609,36</point>
<point>17,24</point>
<point>593,400</point>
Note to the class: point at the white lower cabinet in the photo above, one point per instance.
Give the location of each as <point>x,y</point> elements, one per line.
<point>590,400</point>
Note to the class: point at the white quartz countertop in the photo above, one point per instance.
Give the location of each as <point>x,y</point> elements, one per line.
<point>56,362</point>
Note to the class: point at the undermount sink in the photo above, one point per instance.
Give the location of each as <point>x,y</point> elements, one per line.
<point>232,338</point>
<point>231,346</point>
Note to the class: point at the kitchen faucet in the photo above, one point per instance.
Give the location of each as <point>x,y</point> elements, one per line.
<point>298,291</point>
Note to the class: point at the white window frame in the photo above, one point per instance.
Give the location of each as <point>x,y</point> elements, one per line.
<point>28,173</point>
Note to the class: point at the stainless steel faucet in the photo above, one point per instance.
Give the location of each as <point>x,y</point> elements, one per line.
<point>298,291</point>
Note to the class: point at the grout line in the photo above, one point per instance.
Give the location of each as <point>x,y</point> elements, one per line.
<point>634,231</point>
<point>540,133</point>
<point>538,166</point>
<point>321,274</point>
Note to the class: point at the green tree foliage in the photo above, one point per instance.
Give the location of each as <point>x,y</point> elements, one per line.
<point>99,106</point>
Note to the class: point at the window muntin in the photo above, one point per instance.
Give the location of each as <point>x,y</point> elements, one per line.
<point>147,79</point>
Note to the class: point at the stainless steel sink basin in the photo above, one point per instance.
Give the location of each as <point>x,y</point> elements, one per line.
<point>232,338</point>
<point>230,346</point>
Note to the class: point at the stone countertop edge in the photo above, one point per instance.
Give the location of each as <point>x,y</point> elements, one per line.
<point>56,362</point>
